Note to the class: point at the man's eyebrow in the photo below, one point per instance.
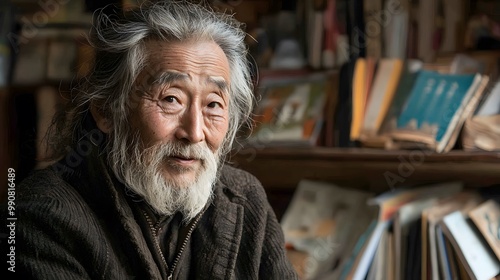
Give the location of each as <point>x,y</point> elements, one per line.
<point>168,77</point>
<point>219,82</point>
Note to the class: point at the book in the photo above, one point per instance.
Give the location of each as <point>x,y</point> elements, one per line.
<point>330,108</point>
<point>461,118</point>
<point>437,107</point>
<point>389,203</point>
<point>377,270</point>
<point>373,19</point>
<point>331,33</point>
<point>457,268</point>
<point>315,36</point>
<point>464,64</point>
<point>383,139</point>
<point>396,26</point>
<point>452,260</point>
<point>404,218</point>
<point>477,258</point>
<point>482,133</point>
<point>343,114</point>
<point>414,251</point>
<point>364,72</point>
<point>444,261</point>
<point>411,70</point>
<point>358,98</point>
<point>291,111</point>
<point>354,244</point>
<point>486,217</point>
<point>426,29</point>
<point>356,28</point>
<point>357,251</point>
<point>454,24</point>
<point>390,269</point>
<point>381,95</point>
<point>491,104</point>
<point>431,217</point>
<point>318,222</point>
<point>371,69</point>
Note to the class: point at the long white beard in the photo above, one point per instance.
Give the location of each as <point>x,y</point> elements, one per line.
<point>141,172</point>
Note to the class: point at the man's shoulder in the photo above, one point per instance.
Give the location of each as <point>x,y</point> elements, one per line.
<point>238,178</point>
<point>41,182</point>
<point>46,184</point>
<point>241,183</point>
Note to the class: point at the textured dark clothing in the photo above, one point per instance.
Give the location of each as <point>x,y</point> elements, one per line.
<point>75,221</point>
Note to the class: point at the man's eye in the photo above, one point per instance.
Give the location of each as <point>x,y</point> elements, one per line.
<point>214,105</point>
<point>169,99</point>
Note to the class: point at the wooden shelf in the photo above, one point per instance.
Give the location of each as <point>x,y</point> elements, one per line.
<point>375,170</point>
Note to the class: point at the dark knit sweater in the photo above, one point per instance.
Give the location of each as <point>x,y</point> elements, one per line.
<point>76,223</point>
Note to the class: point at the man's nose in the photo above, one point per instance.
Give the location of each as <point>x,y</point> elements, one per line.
<point>191,126</point>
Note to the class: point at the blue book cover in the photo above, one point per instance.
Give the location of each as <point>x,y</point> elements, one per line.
<point>412,114</point>
<point>432,109</point>
<point>434,101</point>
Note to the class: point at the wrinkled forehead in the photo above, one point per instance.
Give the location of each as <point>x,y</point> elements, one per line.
<point>187,58</point>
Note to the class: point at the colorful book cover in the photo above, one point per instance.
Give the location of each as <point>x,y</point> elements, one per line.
<point>435,107</point>
<point>291,111</point>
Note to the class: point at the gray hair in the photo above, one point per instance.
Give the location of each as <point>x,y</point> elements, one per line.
<point>119,44</point>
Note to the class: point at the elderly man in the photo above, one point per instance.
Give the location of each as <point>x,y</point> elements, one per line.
<point>140,190</point>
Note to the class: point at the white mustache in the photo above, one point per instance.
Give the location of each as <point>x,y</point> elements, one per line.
<point>199,151</point>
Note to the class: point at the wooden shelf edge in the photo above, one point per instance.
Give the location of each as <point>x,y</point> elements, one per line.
<point>361,154</point>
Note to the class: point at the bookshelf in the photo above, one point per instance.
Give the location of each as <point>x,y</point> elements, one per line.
<point>280,168</point>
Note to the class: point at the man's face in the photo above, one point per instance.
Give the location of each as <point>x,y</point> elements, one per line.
<point>182,97</point>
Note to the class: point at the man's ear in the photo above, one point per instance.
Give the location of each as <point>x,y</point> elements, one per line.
<point>103,123</point>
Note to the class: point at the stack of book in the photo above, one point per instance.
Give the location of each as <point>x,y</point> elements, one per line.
<point>400,104</point>
<point>384,103</point>
<point>438,231</point>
